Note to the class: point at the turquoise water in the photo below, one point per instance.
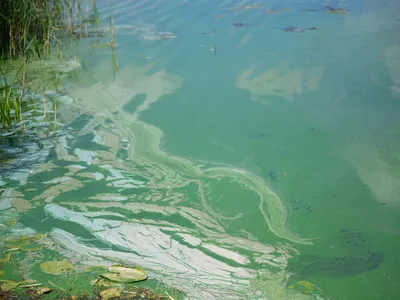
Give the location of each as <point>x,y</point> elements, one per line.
<point>231,162</point>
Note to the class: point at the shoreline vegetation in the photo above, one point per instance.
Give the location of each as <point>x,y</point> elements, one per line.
<point>33,36</point>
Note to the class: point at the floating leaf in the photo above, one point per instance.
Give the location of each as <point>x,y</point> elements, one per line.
<point>120,273</point>
<point>5,258</point>
<point>94,281</point>
<point>38,237</point>
<point>104,283</point>
<point>11,222</point>
<point>308,285</point>
<point>95,268</point>
<point>56,267</point>
<point>2,273</point>
<point>16,243</point>
<point>43,290</point>
<point>110,293</point>
<point>9,285</point>
<point>32,247</point>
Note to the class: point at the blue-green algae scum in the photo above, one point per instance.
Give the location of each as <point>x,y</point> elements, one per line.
<point>231,149</point>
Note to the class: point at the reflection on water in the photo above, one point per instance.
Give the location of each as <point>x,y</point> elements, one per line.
<point>168,165</point>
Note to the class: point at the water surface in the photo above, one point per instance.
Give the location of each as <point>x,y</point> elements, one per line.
<point>231,162</point>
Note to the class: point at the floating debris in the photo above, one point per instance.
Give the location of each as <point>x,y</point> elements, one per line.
<point>120,273</point>
<point>245,7</point>
<point>43,290</point>
<point>110,293</point>
<point>214,49</point>
<point>166,35</point>
<point>210,33</point>
<point>308,285</point>
<point>241,24</point>
<point>295,29</point>
<point>238,24</point>
<point>338,11</point>
<point>273,176</point>
<point>104,45</point>
<point>276,11</point>
<point>90,33</point>
<point>56,267</point>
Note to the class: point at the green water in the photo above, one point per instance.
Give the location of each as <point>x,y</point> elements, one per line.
<point>267,169</point>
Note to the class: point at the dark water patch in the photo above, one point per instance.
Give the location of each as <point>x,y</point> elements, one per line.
<point>80,122</point>
<point>272,175</point>
<point>90,189</point>
<point>350,238</point>
<point>45,176</point>
<point>86,142</point>
<point>122,153</point>
<point>132,104</point>
<point>313,266</point>
<point>134,191</point>
<point>46,224</point>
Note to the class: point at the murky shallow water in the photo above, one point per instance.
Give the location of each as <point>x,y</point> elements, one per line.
<point>230,162</point>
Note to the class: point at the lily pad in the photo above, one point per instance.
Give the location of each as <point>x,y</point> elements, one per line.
<point>16,243</point>
<point>110,293</point>
<point>120,273</point>
<point>5,258</point>
<point>11,222</point>
<point>9,285</point>
<point>56,267</point>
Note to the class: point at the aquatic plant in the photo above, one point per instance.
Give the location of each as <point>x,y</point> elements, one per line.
<point>23,21</point>
<point>9,97</point>
<point>31,30</point>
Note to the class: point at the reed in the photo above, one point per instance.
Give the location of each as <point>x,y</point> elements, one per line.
<point>37,30</point>
<point>29,29</point>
